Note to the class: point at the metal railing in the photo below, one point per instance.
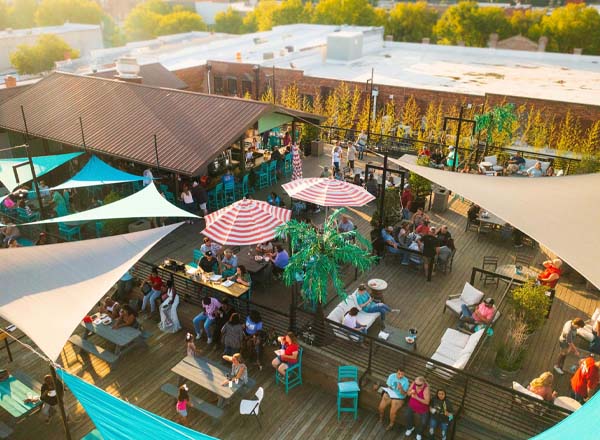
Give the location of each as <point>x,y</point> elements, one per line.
<point>497,408</point>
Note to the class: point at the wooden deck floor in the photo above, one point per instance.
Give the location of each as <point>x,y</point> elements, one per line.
<point>308,411</point>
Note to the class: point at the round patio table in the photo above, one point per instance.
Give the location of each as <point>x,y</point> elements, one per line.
<point>377,287</point>
<point>509,270</point>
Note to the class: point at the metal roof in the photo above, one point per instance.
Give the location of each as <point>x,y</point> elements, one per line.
<point>120,119</point>
<point>154,74</point>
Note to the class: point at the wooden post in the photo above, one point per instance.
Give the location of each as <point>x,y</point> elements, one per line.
<point>61,402</point>
<point>31,167</point>
<point>294,132</point>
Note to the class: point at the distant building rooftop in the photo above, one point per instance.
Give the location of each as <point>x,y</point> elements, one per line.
<point>67,27</point>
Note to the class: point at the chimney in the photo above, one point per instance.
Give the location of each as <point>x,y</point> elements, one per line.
<point>425,40</point>
<point>542,42</point>
<point>493,41</point>
<point>10,81</point>
<point>128,70</point>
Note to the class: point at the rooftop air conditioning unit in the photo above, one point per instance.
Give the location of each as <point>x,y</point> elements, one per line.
<point>344,46</point>
<point>268,56</point>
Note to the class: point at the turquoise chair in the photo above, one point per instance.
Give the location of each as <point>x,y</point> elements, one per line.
<point>24,241</point>
<point>69,232</point>
<point>197,256</point>
<point>24,217</point>
<point>163,188</point>
<point>272,172</point>
<point>243,188</point>
<point>263,176</point>
<point>293,374</point>
<point>348,388</point>
<point>99,228</point>
<point>287,165</point>
<point>170,197</point>
<point>229,192</point>
<point>215,197</point>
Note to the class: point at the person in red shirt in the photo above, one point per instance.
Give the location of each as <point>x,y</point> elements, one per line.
<point>585,380</point>
<point>288,355</point>
<point>156,284</point>
<point>406,199</point>
<point>550,276</point>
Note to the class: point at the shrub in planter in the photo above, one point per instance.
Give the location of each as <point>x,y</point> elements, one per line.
<point>511,351</point>
<point>419,186</point>
<point>391,209</point>
<point>531,304</point>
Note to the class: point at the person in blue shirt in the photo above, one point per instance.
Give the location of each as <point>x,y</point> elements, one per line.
<point>254,339</point>
<point>368,304</point>
<point>280,260</point>
<point>398,383</point>
<point>227,178</point>
<point>274,199</point>
<point>536,170</point>
<point>392,245</point>
<point>229,263</point>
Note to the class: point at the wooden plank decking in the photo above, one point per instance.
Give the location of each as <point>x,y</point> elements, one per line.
<point>308,412</point>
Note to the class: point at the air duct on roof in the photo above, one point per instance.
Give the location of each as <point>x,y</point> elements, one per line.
<point>344,46</point>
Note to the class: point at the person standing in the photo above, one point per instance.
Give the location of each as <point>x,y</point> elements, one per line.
<point>188,201</point>
<point>418,407</point>
<point>395,395</point>
<point>351,157</point>
<point>406,199</point>
<point>585,380</point>
<point>208,316</point>
<point>566,342</point>
<point>362,144</point>
<point>49,396</point>
<point>431,248</point>
<point>200,197</point>
<point>232,335</point>
<point>336,156</point>
<point>183,399</point>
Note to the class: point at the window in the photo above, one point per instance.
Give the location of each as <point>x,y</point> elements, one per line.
<point>218,81</point>
<point>325,92</point>
<point>246,87</point>
<point>232,87</point>
<point>309,99</point>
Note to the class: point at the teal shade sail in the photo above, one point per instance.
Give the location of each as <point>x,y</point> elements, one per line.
<point>98,172</point>
<point>116,419</point>
<point>583,424</point>
<point>41,165</point>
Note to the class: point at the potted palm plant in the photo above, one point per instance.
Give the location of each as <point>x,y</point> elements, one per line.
<point>317,257</point>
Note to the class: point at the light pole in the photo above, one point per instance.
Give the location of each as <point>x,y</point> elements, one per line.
<point>208,69</point>
<point>370,81</point>
<point>256,69</point>
<point>460,120</point>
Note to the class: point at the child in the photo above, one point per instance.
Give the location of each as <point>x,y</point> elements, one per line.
<point>189,344</point>
<point>182,403</point>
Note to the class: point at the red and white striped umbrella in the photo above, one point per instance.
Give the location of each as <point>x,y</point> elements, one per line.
<point>327,192</point>
<point>245,222</point>
<point>296,163</point>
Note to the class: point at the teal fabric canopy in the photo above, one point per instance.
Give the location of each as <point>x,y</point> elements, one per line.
<point>97,172</point>
<point>41,164</point>
<point>120,420</point>
<point>583,424</point>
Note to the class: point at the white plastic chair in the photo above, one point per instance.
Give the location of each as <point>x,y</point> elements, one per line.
<point>251,407</point>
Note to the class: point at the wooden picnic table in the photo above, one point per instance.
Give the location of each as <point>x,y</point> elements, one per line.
<point>209,376</point>
<point>13,394</point>
<point>509,270</point>
<point>194,275</point>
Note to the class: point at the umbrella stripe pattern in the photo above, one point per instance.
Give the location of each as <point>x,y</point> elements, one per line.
<point>327,192</point>
<point>245,222</point>
<point>296,163</point>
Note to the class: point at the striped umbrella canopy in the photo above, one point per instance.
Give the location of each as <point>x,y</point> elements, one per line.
<point>245,222</point>
<point>327,192</point>
<point>296,163</point>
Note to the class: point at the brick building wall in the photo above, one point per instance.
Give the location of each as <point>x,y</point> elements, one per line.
<point>233,79</point>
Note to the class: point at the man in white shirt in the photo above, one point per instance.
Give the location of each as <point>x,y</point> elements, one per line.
<point>351,157</point>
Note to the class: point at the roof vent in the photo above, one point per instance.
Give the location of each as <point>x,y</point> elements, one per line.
<point>128,70</point>
<point>268,56</point>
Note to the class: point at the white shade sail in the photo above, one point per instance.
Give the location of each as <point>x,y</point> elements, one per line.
<point>41,165</point>
<point>47,290</point>
<point>551,210</point>
<point>145,203</point>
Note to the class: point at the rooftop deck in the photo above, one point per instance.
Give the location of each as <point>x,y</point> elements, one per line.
<point>308,411</point>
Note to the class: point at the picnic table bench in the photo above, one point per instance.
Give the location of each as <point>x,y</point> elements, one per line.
<point>195,402</point>
<point>94,349</point>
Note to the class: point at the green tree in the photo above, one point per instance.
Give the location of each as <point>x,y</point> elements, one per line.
<point>261,18</point>
<point>143,22</point>
<point>411,21</point>
<point>111,32</point>
<point>527,23</point>
<point>291,12</point>
<point>229,21</point>
<point>357,12</point>
<point>180,22</point>
<point>22,14</point>
<point>573,26</point>
<point>40,57</point>
<point>473,25</point>
<point>57,12</point>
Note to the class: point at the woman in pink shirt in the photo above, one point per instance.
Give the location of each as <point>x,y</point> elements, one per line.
<point>418,407</point>
<point>483,314</point>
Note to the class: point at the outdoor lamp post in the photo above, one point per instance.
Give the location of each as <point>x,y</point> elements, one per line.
<point>370,81</point>
<point>208,70</point>
<point>256,69</point>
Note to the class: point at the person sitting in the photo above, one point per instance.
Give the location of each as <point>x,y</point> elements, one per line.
<point>437,159</point>
<point>239,371</point>
<point>389,183</point>
<point>211,306</point>
<point>42,239</point>
<point>156,286</point>
<point>515,163</point>
<point>395,395</point>
<point>232,335</point>
<point>9,232</point>
<point>372,186</point>
<point>369,305</point>
<point>550,170</point>
<point>264,248</point>
<point>274,199</point>
<point>209,245</point>
<point>241,276</point>
<point>325,173</point>
<point>484,312</point>
<point>452,159</point>
<point>280,260</point>
<point>423,228</point>
<point>536,170</point>
<point>418,218</point>
<point>444,237</point>
<point>416,246</point>
<point>254,335</point>
<point>227,178</point>
<point>345,224</point>
<point>229,263</point>
<point>208,263</point>
<point>222,317</point>
<point>585,380</point>
<point>110,307</point>
<point>350,321</point>
<point>550,276</point>
<point>543,386</point>
<point>276,155</point>
<point>441,414</point>
<point>127,318</point>
<point>288,354</point>
<point>391,245</point>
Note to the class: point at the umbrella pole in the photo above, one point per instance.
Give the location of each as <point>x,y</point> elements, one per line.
<point>61,402</point>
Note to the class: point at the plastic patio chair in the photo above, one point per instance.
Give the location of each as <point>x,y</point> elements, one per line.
<point>216,197</point>
<point>293,374</point>
<point>287,165</point>
<point>272,172</point>
<point>348,388</point>
<point>243,189</point>
<point>229,193</point>
<point>69,232</point>
<point>263,176</point>
<point>197,255</point>
<point>23,216</point>
<point>251,407</point>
